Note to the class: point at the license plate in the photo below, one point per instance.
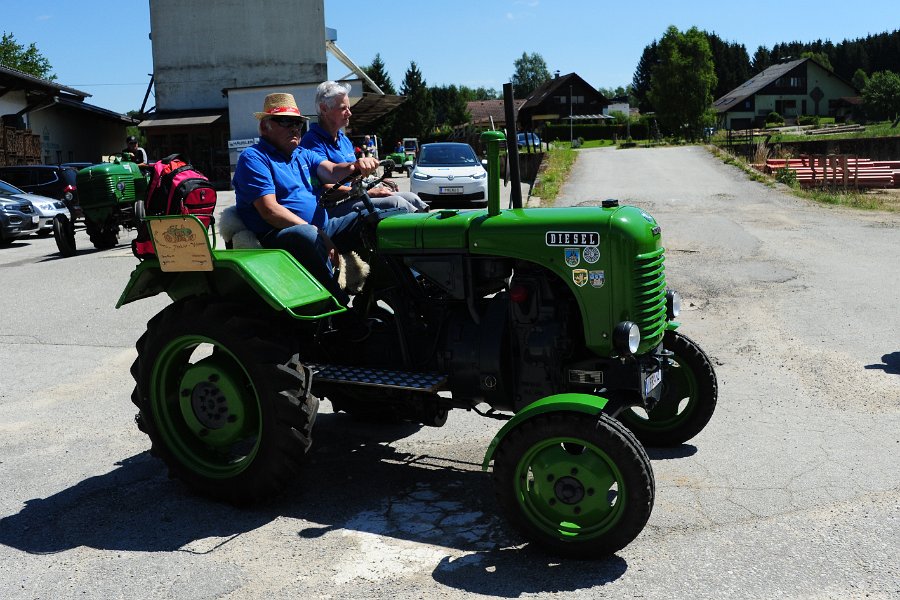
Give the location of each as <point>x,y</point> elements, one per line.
<point>452,189</point>
<point>35,219</point>
<point>652,381</point>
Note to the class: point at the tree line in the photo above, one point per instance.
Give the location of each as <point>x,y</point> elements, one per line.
<point>871,64</point>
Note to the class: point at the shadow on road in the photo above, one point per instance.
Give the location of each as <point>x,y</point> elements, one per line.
<point>354,480</point>
<point>890,364</point>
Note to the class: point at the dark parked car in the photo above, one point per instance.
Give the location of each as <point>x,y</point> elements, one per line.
<point>52,181</point>
<point>528,139</point>
<point>17,218</point>
<point>78,165</point>
<point>45,208</point>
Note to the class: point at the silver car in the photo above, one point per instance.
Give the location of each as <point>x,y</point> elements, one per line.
<point>44,208</point>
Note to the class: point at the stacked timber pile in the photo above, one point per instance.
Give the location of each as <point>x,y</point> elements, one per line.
<point>838,170</point>
<point>835,129</point>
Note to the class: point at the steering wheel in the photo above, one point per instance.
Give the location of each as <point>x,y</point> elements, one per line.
<point>338,194</point>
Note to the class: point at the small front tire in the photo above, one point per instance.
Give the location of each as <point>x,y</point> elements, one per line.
<point>689,395</point>
<point>64,234</point>
<point>577,484</point>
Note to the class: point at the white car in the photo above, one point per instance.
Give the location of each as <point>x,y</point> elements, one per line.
<point>449,174</point>
<point>44,208</point>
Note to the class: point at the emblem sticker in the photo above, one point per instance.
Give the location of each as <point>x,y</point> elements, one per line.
<point>648,218</point>
<point>597,278</point>
<point>573,257</point>
<point>572,238</point>
<point>580,277</point>
<point>591,254</point>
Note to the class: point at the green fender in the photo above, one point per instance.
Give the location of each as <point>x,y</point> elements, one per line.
<point>672,325</point>
<point>584,403</point>
<point>273,275</point>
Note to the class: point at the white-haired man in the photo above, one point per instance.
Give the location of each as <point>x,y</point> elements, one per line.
<point>327,139</point>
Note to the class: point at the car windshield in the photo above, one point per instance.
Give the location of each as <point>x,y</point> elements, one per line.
<point>447,155</point>
<point>6,188</point>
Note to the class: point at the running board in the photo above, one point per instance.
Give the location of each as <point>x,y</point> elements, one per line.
<point>382,378</point>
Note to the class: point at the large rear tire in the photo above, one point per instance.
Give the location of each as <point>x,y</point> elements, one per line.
<point>579,485</point>
<point>64,234</point>
<point>689,395</point>
<point>224,400</point>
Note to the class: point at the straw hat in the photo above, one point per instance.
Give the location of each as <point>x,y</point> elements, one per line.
<point>279,105</point>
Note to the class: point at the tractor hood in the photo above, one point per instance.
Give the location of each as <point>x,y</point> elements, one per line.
<point>536,234</point>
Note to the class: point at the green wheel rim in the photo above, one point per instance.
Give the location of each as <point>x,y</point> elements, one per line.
<point>679,383</point>
<point>207,412</point>
<point>570,489</point>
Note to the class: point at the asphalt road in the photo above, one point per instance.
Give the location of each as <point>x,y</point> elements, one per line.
<point>790,492</point>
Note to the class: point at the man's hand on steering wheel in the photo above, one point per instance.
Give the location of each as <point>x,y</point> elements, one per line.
<point>365,165</point>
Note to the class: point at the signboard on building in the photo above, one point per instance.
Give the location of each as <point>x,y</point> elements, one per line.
<point>241,144</point>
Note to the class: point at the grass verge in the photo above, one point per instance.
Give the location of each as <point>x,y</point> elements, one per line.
<point>554,170</point>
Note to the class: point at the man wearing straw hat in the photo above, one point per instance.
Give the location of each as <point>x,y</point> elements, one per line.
<point>273,185</point>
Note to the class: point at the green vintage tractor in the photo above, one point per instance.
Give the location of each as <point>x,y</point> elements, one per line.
<point>557,321</point>
<point>108,193</point>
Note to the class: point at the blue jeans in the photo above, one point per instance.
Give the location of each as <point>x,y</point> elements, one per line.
<point>306,245</point>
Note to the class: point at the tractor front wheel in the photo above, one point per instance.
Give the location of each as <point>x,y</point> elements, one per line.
<point>103,236</point>
<point>688,400</point>
<point>577,484</point>
<point>224,400</point>
<point>64,234</point>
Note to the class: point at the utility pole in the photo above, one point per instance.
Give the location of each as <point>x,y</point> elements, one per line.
<point>571,139</point>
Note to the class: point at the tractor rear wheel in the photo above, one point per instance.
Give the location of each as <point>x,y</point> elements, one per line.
<point>689,396</point>
<point>578,484</point>
<point>224,400</point>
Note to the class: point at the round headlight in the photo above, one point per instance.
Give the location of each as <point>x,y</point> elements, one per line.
<point>673,304</point>
<point>626,337</point>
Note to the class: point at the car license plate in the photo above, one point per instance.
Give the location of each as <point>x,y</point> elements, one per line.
<point>35,218</point>
<point>652,381</point>
<point>451,189</point>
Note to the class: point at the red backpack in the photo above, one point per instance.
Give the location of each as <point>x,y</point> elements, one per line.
<point>176,188</point>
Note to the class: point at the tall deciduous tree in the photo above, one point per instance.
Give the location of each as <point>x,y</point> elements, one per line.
<point>415,117</point>
<point>683,82</point>
<point>860,79</point>
<point>531,71</point>
<point>26,59</point>
<point>881,96</point>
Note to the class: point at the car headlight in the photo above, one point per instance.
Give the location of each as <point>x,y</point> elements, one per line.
<point>626,337</point>
<point>673,304</point>
<point>421,176</point>
<point>481,175</point>
<point>47,207</point>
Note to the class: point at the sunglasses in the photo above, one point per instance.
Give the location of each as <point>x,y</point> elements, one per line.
<point>286,122</point>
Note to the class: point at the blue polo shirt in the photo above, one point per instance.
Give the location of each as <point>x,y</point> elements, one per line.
<point>323,143</point>
<point>261,169</point>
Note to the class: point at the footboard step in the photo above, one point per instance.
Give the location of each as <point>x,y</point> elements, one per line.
<point>401,380</point>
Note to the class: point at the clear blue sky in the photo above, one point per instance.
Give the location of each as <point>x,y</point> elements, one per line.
<point>102,47</point>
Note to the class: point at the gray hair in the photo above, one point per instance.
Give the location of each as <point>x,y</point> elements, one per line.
<point>327,92</point>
